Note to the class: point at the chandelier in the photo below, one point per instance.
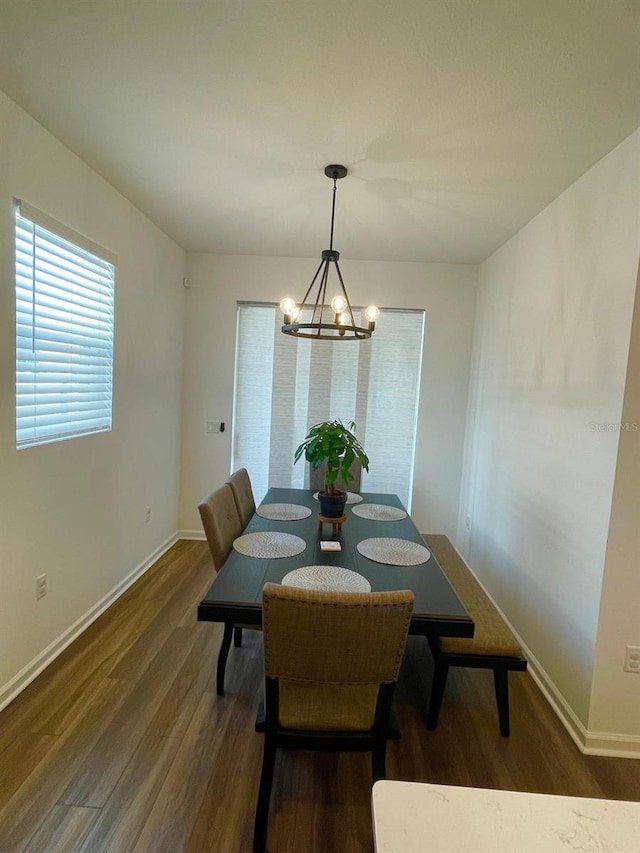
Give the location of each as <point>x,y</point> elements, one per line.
<point>333,321</point>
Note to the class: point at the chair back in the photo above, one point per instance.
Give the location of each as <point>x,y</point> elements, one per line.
<point>243,495</point>
<point>331,651</point>
<point>316,478</point>
<point>221,523</point>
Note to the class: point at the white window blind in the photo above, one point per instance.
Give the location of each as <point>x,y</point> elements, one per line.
<point>284,385</point>
<point>64,331</point>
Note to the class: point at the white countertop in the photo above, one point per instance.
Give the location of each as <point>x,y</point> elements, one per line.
<point>412,817</point>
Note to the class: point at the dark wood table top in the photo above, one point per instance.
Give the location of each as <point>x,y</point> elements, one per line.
<point>236,593</point>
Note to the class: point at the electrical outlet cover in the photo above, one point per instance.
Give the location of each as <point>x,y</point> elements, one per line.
<point>632,659</point>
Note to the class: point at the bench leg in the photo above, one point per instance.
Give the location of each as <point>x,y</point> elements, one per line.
<point>441,670</point>
<point>222,657</point>
<point>501,682</point>
<point>379,761</point>
<point>237,637</point>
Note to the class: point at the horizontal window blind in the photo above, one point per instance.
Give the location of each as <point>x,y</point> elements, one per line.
<point>64,331</point>
<point>284,385</point>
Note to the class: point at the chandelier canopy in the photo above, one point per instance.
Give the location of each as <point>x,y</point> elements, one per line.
<point>333,321</point>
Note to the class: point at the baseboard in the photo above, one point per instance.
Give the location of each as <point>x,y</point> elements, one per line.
<point>612,745</point>
<point>192,534</point>
<point>26,675</point>
<point>572,723</point>
<point>606,744</point>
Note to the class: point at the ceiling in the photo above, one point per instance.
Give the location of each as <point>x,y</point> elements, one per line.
<point>458,120</point>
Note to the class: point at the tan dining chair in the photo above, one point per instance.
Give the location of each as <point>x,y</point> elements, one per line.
<point>240,483</point>
<point>331,662</point>
<point>222,525</point>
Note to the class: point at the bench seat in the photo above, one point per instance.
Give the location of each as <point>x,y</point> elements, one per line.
<point>493,645</point>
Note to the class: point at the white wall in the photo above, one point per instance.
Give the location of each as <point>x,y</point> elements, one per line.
<point>446,292</point>
<point>615,694</point>
<point>75,509</point>
<point>550,357</point>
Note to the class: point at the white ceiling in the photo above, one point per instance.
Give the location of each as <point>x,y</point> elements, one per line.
<point>459,120</point>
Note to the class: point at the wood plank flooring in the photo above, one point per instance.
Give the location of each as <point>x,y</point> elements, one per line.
<point>122,744</point>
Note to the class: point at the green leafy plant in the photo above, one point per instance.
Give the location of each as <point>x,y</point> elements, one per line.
<point>337,443</point>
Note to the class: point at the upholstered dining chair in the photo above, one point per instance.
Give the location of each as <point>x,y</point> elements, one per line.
<point>240,483</point>
<point>331,663</point>
<point>222,525</point>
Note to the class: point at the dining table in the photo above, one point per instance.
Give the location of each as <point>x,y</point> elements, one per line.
<point>236,592</point>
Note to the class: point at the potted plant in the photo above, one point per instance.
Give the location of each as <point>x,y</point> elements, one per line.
<point>337,443</point>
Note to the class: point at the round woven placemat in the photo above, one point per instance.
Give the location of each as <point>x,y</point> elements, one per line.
<point>394,552</point>
<point>352,497</point>
<point>283,512</point>
<point>333,578</point>
<point>379,512</point>
<point>269,544</point>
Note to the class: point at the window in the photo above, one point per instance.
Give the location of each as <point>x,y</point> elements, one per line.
<point>284,385</point>
<point>64,331</point>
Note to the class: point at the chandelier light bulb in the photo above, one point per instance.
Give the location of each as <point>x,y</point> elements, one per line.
<point>342,319</point>
<point>288,307</point>
<point>338,303</point>
<point>371,313</point>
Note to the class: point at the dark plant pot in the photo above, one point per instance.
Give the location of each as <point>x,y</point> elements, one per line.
<point>332,506</point>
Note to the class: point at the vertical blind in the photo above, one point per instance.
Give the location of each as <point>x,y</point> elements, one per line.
<point>284,385</point>
<point>64,331</point>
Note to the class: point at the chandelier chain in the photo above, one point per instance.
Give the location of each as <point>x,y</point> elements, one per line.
<point>333,215</point>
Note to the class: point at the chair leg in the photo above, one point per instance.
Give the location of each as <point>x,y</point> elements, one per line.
<point>501,682</point>
<point>264,795</point>
<point>440,672</point>
<point>237,637</point>
<point>222,657</point>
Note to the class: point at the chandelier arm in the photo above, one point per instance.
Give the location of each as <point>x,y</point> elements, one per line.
<point>344,291</point>
<point>313,281</point>
<point>322,290</point>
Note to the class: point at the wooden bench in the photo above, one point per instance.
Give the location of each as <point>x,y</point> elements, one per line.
<point>493,646</point>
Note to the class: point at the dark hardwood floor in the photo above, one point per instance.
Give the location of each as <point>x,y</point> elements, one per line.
<point>122,744</point>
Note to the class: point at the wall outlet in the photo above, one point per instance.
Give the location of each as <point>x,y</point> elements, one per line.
<point>468,522</point>
<point>147,515</point>
<point>632,659</point>
<point>41,586</point>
